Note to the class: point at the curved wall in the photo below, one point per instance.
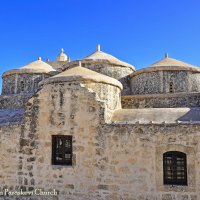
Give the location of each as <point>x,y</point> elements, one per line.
<point>117,72</point>
<point>159,82</point>
<point>21,83</point>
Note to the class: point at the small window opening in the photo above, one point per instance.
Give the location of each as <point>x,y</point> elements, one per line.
<point>22,86</point>
<point>62,150</point>
<point>171,87</point>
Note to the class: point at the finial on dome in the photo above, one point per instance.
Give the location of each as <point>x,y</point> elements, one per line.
<point>39,58</point>
<point>62,50</point>
<point>98,47</point>
<point>79,63</point>
<point>166,55</point>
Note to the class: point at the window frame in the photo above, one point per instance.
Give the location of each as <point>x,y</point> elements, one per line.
<point>63,150</point>
<point>174,165</point>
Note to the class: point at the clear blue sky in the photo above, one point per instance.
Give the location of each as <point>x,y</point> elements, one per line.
<point>136,31</point>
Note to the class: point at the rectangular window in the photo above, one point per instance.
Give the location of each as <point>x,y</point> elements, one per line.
<point>62,150</point>
<point>175,168</point>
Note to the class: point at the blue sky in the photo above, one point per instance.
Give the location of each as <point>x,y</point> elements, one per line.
<point>136,31</point>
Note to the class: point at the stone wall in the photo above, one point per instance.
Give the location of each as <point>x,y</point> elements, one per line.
<point>57,64</point>
<point>158,82</point>
<point>130,165</point>
<point>9,156</point>
<point>194,82</point>
<point>9,85</point>
<point>173,100</point>
<point>117,72</point>
<point>110,161</point>
<point>72,110</point>
<point>109,95</point>
<point>113,162</point>
<point>22,83</point>
<point>14,101</point>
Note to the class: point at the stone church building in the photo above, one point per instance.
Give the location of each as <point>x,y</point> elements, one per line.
<point>97,129</point>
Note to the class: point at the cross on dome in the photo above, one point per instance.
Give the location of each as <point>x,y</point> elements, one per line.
<point>98,47</point>
<point>166,55</point>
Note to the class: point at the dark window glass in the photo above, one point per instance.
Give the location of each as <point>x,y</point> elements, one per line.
<point>61,150</point>
<point>175,168</point>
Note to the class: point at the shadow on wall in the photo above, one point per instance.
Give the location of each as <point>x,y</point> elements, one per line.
<point>192,116</point>
<point>11,116</point>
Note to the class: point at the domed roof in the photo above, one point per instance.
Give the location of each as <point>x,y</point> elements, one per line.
<point>36,67</point>
<point>100,56</point>
<point>62,56</point>
<point>168,64</point>
<point>79,74</point>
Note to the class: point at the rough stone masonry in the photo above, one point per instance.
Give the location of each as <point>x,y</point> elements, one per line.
<point>122,123</point>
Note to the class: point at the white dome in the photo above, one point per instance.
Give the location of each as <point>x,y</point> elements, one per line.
<point>62,56</point>
<point>100,56</point>
<point>38,67</point>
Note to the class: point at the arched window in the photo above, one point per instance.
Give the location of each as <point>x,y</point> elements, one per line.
<point>171,87</point>
<point>174,168</point>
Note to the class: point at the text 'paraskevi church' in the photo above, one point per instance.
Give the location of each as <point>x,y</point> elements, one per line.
<point>97,129</point>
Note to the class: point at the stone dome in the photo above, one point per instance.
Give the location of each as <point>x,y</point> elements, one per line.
<point>100,56</point>
<point>36,67</point>
<point>62,56</point>
<point>79,74</point>
<point>165,76</point>
<point>105,64</point>
<point>168,64</point>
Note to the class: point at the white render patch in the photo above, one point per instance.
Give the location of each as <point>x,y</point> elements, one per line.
<point>157,116</point>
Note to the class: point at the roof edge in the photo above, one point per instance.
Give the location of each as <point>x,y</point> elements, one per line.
<point>90,61</point>
<point>27,71</point>
<point>83,79</point>
<point>164,68</point>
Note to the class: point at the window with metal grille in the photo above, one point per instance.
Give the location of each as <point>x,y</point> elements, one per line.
<point>62,150</point>
<point>171,87</point>
<point>175,168</point>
